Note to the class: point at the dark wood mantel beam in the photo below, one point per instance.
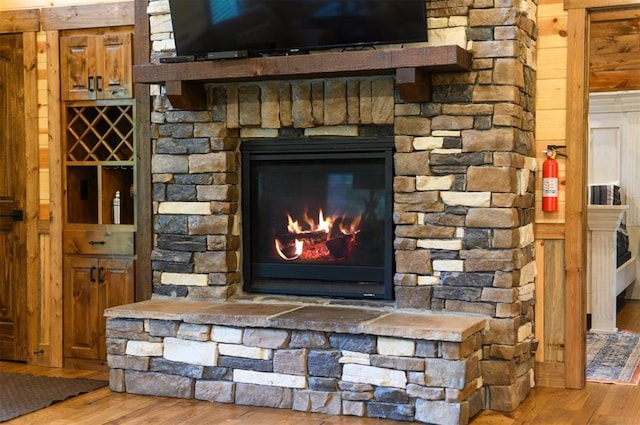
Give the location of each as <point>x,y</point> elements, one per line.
<point>412,64</point>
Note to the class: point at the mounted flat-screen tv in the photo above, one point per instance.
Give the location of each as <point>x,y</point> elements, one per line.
<point>228,28</point>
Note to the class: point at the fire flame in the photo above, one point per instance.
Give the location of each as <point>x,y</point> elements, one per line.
<point>312,239</point>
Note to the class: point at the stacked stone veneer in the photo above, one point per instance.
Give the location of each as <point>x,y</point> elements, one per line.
<point>463,185</point>
<point>367,364</point>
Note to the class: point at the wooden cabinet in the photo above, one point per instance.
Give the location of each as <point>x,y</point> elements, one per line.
<point>99,168</point>
<point>91,285</point>
<point>96,66</point>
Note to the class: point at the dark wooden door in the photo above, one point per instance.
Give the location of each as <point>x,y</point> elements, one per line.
<point>13,291</point>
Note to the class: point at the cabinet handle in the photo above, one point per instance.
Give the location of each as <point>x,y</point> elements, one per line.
<point>90,84</point>
<point>99,82</point>
<point>101,275</point>
<point>97,242</point>
<point>92,274</point>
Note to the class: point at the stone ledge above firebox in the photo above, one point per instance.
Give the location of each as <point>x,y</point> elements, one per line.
<point>449,327</point>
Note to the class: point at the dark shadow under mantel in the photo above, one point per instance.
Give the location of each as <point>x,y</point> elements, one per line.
<point>412,67</point>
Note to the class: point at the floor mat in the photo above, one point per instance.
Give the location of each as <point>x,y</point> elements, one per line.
<point>22,393</point>
<point>613,358</point>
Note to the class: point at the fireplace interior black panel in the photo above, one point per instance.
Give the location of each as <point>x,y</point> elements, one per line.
<point>317,217</point>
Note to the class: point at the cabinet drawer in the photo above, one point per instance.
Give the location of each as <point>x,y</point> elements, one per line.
<point>98,242</point>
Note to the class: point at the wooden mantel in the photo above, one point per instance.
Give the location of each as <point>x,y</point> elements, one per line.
<point>412,67</point>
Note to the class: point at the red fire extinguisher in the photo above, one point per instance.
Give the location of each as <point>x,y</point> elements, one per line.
<point>550,182</point>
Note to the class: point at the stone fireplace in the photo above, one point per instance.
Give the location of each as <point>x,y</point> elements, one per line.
<point>449,328</point>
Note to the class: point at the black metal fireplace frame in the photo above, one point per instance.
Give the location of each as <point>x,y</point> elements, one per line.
<point>294,279</point>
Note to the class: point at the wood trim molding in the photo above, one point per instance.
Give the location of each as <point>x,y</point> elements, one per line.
<point>27,20</point>
<point>144,231</point>
<point>88,16</point>
<point>575,215</point>
<point>54,331</point>
<point>592,4</point>
<point>32,202</point>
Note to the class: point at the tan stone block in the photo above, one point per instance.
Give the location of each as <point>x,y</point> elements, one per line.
<point>301,104</point>
<point>249,97</point>
<point>488,140</point>
<point>498,372</point>
<point>496,49</point>
<point>492,217</point>
<point>470,109</point>
<point>487,93</point>
<point>366,112</point>
<point>502,331</point>
<point>412,164</point>
<point>403,143</point>
<point>422,231</point>
<point>353,101</point>
<point>492,17</point>
<point>499,295</point>
<point>509,71</point>
<point>505,200</point>
<point>233,107</point>
<point>404,184</point>
<point>405,218</point>
<point>491,179</point>
<point>317,102</point>
<point>505,239</point>
<point>508,309</point>
<point>450,122</point>
<point>413,262</point>
<point>413,126</point>
<point>335,102</point>
<point>284,97</point>
<point>270,108</point>
<point>382,100</point>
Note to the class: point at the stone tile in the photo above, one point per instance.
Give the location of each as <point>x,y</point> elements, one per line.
<point>441,327</point>
<point>238,314</point>
<point>327,319</point>
<point>156,309</point>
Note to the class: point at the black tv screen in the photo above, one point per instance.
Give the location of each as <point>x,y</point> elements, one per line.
<point>205,27</point>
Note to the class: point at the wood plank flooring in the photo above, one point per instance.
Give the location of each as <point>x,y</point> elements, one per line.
<point>596,404</point>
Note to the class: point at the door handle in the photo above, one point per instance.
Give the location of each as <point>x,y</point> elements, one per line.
<point>92,274</point>
<point>90,83</point>
<point>99,82</point>
<point>16,215</point>
<point>101,275</point>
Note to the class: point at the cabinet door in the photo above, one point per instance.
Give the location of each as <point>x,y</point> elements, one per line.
<point>92,285</point>
<point>95,67</point>
<point>78,67</point>
<point>82,315</point>
<point>114,64</point>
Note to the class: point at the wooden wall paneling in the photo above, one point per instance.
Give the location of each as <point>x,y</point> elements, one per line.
<point>539,312</point>
<point>554,300</point>
<point>614,51</point>
<point>575,218</point>
<point>29,43</point>
<point>55,189</point>
<point>144,234</point>
<point>27,20</point>
<point>88,16</point>
<point>591,4</point>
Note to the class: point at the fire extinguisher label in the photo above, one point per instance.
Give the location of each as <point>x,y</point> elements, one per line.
<point>550,187</point>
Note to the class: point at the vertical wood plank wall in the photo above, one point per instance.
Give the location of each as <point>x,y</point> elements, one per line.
<point>551,104</point>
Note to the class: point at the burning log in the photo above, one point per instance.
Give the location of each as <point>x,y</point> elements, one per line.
<point>309,238</point>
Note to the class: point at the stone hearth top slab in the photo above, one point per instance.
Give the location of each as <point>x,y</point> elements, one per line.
<point>438,326</point>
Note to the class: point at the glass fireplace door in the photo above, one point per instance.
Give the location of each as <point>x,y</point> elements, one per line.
<point>317,218</point>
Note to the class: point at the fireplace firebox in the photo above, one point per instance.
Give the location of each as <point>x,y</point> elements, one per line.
<point>317,217</point>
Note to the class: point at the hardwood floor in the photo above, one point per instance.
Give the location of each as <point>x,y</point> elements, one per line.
<point>596,404</point>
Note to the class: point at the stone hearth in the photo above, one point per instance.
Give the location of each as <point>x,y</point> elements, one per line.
<point>463,223</point>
